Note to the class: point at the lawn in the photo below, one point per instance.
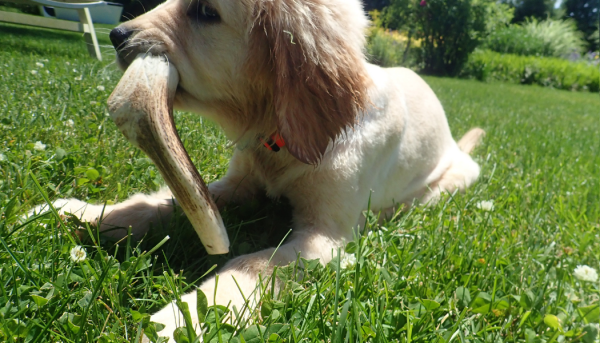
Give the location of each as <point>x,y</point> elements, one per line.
<point>496,264</point>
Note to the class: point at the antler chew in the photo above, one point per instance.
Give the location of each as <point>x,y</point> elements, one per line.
<point>142,107</point>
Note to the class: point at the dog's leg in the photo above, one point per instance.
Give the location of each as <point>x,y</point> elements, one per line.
<point>320,228</point>
<point>139,211</point>
<point>142,211</point>
<point>243,280</point>
<point>238,185</point>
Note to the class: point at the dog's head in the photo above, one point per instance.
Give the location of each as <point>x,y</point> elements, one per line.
<point>295,67</point>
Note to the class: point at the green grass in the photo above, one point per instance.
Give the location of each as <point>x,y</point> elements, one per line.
<point>448,272</point>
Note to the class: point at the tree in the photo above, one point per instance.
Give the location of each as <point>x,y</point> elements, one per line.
<point>587,14</point>
<point>375,4</point>
<point>539,9</point>
<point>401,15</point>
<point>449,31</point>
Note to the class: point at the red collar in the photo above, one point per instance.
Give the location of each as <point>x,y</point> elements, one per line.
<point>273,143</point>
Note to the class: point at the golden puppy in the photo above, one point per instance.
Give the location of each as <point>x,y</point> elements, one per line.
<point>287,80</point>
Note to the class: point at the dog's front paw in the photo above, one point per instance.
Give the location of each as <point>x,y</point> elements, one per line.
<point>170,316</point>
<point>223,192</point>
<point>228,293</point>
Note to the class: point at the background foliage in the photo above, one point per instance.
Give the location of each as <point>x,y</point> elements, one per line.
<point>542,71</point>
<point>437,37</point>
<point>539,9</point>
<point>388,48</point>
<point>450,31</point>
<point>556,38</point>
<point>587,15</point>
<point>446,31</point>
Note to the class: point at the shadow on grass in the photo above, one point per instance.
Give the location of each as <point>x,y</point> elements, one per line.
<point>251,227</point>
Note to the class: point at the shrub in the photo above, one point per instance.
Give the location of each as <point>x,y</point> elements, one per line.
<point>557,38</point>
<point>449,31</point>
<point>543,71</point>
<point>497,16</point>
<point>515,40</point>
<point>386,48</point>
<point>18,7</point>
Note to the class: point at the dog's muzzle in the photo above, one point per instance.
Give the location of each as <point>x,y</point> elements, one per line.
<point>119,36</point>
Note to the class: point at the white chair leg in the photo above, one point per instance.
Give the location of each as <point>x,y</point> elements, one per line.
<point>90,33</point>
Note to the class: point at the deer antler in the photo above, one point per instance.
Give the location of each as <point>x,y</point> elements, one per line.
<point>142,107</point>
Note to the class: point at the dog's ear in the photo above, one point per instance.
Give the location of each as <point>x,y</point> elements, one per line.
<point>316,70</point>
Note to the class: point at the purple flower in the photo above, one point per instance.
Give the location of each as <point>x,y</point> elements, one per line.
<point>423,3</point>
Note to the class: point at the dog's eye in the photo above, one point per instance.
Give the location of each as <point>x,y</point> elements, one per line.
<point>209,12</point>
<point>205,13</point>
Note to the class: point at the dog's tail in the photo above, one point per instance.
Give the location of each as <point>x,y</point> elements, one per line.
<point>470,140</point>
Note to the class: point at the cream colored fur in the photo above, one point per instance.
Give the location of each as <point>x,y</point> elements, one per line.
<point>399,150</point>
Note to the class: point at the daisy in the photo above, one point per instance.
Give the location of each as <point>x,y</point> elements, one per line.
<point>348,261</point>
<point>78,254</point>
<point>586,273</point>
<point>486,205</point>
<point>39,146</point>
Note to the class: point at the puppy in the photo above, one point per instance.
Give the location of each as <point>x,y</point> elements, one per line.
<point>287,80</point>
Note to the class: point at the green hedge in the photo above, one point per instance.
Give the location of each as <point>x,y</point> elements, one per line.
<point>558,73</point>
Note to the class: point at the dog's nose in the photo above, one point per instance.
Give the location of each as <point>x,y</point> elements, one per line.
<point>118,36</point>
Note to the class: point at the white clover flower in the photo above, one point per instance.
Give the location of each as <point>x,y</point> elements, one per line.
<point>100,88</point>
<point>39,64</point>
<point>348,261</point>
<point>486,205</point>
<point>70,123</point>
<point>33,72</point>
<point>67,63</point>
<point>39,146</point>
<point>74,70</point>
<point>586,273</point>
<point>79,78</point>
<point>572,296</point>
<point>78,254</point>
<point>2,157</point>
